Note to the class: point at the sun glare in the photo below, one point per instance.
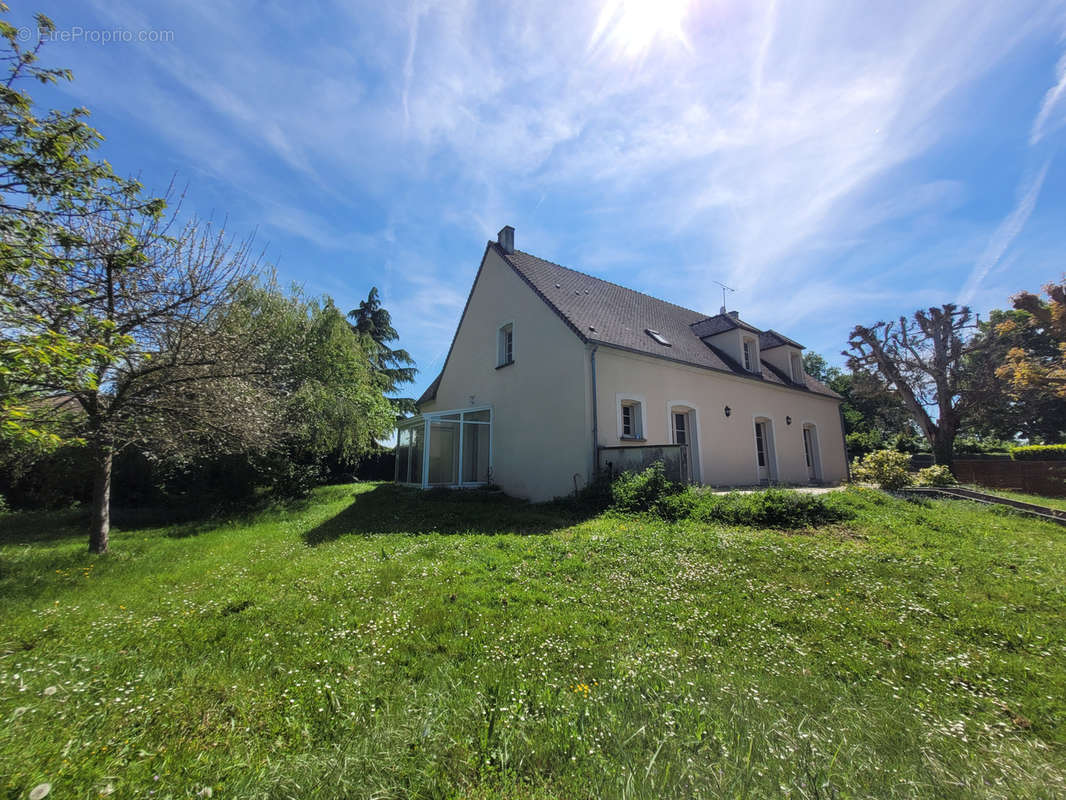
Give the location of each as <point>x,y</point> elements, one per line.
<point>633,26</point>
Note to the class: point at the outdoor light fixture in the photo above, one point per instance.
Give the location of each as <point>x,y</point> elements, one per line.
<point>728,411</point>
<point>788,420</point>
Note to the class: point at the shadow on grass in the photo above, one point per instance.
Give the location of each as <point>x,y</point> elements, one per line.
<point>399,509</point>
<point>176,521</point>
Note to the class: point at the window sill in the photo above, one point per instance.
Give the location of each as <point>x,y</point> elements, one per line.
<point>505,364</point>
<point>632,438</point>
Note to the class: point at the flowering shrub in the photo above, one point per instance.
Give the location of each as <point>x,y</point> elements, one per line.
<point>886,468</point>
<point>936,475</point>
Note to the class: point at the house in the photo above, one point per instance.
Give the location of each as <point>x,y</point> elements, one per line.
<point>554,375</point>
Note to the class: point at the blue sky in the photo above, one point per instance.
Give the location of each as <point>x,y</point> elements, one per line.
<point>837,163</point>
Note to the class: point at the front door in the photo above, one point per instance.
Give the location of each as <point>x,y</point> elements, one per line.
<point>683,434</point>
<point>762,454</point>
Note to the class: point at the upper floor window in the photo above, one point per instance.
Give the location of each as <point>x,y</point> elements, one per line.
<point>797,368</point>
<point>505,345</point>
<point>750,355</point>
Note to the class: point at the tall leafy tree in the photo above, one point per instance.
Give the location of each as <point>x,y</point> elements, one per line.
<point>1008,409</point>
<point>50,187</point>
<point>395,367</point>
<point>330,399</point>
<point>1030,365</point>
<point>923,360</point>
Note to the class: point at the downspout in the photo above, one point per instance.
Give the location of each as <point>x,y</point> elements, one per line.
<point>844,438</point>
<point>595,418</point>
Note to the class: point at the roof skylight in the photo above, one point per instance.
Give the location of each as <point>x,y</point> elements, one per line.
<point>658,337</point>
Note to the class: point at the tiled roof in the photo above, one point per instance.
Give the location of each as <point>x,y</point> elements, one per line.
<point>600,311</point>
<point>771,338</point>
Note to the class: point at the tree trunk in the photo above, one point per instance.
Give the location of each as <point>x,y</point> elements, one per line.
<point>101,520</point>
<point>944,448</point>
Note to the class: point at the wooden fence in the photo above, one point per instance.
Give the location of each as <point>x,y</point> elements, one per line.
<point>1034,477</point>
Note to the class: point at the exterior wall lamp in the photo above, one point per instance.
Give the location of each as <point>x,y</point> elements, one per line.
<point>788,420</point>
<point>728,411</point>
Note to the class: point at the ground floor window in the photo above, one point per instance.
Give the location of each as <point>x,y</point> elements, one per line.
<point>630,417</point>
<point>449,448</point>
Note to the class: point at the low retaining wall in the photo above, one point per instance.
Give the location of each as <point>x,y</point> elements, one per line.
<point>1033,477</point>
<point>635,458</point>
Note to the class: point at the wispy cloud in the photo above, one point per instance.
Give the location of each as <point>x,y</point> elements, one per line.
<point>1051,114</point>
<point>1004,235</point>
<point>663,144</point>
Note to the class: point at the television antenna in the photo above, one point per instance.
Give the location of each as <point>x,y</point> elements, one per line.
<point>724,290</point>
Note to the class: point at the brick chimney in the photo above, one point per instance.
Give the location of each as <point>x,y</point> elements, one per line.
<point>505,238</point>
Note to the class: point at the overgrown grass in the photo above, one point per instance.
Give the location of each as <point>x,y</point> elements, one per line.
<point>378,642</point>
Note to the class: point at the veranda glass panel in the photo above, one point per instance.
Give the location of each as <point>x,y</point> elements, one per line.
<point>475,452</point>
<point>418,442</point>
<point>476,416</point>
<point>403,452</point>
<point>443,453</point>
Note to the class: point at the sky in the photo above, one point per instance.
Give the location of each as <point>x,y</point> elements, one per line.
<point>834,163</point>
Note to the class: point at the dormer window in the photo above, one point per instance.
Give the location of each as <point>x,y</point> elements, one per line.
<point>505,345</point>
<point>797,368</point>
<point>751,355</point>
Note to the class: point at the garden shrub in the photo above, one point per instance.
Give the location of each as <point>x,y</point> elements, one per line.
<point>1039,452</point>
<point>936,475</point>
<point>772,508</point>
<point>675,507</point>
<point>642,491</point>
<point>652,492</point>
<point>886,468</point>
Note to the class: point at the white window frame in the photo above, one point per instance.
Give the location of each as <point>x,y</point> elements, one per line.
<point>501,332</point>
<point>436,416</point>
<point>672,406</point>
<point>750,360</point>
<point>819,475</point>
<point>639,400</point>
<point>773,467</point>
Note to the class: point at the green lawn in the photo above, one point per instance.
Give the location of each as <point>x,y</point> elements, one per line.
<point>381,643</point>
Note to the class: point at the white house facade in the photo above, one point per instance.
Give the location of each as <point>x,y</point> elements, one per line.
<point>552,370</point>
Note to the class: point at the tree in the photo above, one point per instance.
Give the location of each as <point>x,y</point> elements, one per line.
<point>330,397</point>
<point>923,360</point>
<point>1036,368</point>
<point>167,370</point>
<point>49,187</point>
<point>874,416</point>
<point>394,367</point>
<point>1006,409</point>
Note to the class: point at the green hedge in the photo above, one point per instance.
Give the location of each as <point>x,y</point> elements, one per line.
<point>651,491</point>
<point>1039,452</point>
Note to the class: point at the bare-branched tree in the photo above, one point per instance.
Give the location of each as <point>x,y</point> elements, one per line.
<point>922,359</point>
<point>150,299</point>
